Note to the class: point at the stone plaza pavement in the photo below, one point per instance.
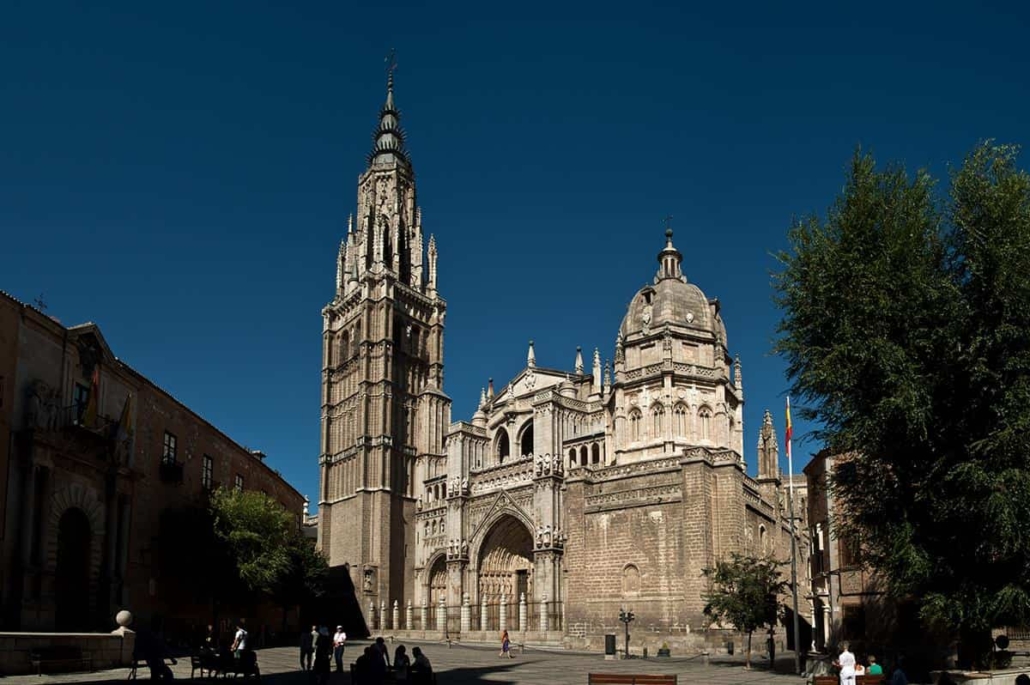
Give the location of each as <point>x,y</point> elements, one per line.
<point>474,664</point>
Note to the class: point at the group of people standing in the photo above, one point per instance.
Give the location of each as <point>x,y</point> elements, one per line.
<point>318,651</point>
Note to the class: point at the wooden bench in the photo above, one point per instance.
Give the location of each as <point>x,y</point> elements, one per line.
<point>859,680</point>
<point>60,654</point>
<point>629,679</point>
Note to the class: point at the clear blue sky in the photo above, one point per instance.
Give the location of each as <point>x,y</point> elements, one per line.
<point>181,172</point>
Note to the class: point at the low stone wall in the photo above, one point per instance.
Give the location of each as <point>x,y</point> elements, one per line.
<point>109,650</point>
<point>1006,677</point>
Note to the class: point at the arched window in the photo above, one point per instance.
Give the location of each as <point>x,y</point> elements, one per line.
<point>763,543</point>
<point>595,454</point>
<point>630,581</point>
<point>526,443</point>
<point>503,446</point>
<point>704,416</point>
<point>443,490</point>
<point>583,455</point>
<point>357,339</point>
<point>436,492</point>
<point>634,424</point>
<point>657,419</point>
<point>572,457</point>
<point>679,414</point>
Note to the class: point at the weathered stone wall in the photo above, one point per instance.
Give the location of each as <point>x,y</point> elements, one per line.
<point>108,650</point>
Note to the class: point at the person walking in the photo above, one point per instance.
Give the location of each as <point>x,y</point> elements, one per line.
<point>846,662</point>
<point>307,648</point>
<point>339,642</point>
<point>505,646</point>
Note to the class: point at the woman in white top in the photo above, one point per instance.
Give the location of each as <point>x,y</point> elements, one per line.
<point>846,661</point>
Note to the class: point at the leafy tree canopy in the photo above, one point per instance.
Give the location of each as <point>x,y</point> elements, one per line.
<point>906,329</point>
<point>745,591</point>
<point>258,532</point>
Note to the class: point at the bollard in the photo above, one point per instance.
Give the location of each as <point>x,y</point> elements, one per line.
<point>482,613</point>
<point>382,616</point>
<point>504,613</point>
<point>371,614</point>
<point>396,615</point>
<point>424,615</point>
<point>408,618</point>
<point>441,616</point>
<point>466,615</point>
<point>523,613</point>
<point>543,614</point>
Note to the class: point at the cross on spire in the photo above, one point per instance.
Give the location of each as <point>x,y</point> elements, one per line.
<point>668,223</point>
<point>40,303</point>
<point>391,65</point>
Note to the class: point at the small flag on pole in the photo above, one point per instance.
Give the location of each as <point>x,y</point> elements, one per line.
<point>89,415</point>
<point>790,428</point>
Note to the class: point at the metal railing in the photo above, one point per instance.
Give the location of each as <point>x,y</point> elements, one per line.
<point>530,616</point>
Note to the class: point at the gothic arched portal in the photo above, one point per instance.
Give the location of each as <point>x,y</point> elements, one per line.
<point>506,561</point>
<point>437,582</point>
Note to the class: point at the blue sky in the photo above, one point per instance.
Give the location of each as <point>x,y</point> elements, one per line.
<point>181,173</point>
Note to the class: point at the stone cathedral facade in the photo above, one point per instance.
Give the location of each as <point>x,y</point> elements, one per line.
<point>569,493</point>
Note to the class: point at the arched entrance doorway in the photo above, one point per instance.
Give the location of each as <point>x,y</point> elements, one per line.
<point>71,590</point>
<point>506,561</point>
<point>437,582</point>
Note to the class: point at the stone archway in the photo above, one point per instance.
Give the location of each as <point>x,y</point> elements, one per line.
<point>71,578</point>
<point>505,563</point>
<point>437,576</point>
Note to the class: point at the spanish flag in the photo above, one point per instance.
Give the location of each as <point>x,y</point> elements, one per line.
<point>125,421</point>
<point>790,428</point>
<point>89,415</point>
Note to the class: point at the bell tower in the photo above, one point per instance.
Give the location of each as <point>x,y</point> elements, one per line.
<point>384,412</point>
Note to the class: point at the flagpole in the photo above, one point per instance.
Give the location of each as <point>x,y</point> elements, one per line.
<point>793,544</point>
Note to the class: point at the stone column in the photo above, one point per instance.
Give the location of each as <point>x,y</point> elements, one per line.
<point>543,614</point>
<point>503,613</point>
<point>466,615</point>
<point>441,616</point>
<point>424,616</point>
<point>382,616</point>
<point>523,614</point>
<point>371,614</point>
<point>482,612</point>
<point>396,615</point>
<point>408,617</point>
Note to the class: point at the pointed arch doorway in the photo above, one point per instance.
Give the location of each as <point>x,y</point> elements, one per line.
<point>506,562</point>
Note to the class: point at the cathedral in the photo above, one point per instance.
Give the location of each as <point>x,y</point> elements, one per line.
<point>569,494</point>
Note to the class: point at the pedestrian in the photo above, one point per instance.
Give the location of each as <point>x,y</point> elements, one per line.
<point>875,668</point>
<point>401,664</point>
<point>846,662</point>
<point>421,669</point>
<point>307,648</point>
<point>899,677</point>
<point>239,643</point>
<point>505,646</point>
<point>339,642</point>
<point>323,656</point>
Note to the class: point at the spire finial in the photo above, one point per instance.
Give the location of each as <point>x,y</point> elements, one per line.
<point>669,258</point>
<point>391,66</point>
<point>579,359</point>
<point>668,230</point>
<point>531,356</point>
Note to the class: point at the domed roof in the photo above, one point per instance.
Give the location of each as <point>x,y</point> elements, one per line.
<point>670,300</point>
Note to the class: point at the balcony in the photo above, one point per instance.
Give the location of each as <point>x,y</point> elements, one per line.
<point>170,471</point>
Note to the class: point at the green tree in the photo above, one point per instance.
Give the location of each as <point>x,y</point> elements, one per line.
<point>304,582</point>
<point>906,329</point>
<point>257,530</point>
<point>745,591</point>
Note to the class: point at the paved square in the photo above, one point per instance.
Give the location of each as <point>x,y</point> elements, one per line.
<point>474,664</point>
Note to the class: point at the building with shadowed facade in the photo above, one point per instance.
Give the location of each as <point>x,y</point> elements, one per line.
<point>570,492</point>
<point>95,456</point>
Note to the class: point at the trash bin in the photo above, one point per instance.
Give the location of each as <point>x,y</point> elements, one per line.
<point>609,645</point>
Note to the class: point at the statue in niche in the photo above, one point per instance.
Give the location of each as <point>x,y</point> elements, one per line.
<point>370,579</point>
<point>645,319</point>
<point>464,485</point>
<point>539,537</point>
<point>464,548</point>
<point>547,535</point>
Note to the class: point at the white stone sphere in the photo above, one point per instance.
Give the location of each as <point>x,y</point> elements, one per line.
<point>123,618</point>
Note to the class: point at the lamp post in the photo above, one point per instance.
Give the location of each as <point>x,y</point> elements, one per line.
<point>626,617</point>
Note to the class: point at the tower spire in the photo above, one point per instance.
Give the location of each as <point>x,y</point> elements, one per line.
<point>579,359</point>
<point>531,356</point>
<point>389,136</point>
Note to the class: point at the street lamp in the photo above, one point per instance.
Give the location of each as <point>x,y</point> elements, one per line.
<point>626,617</point>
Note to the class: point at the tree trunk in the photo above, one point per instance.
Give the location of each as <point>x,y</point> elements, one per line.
<point>747,652</point>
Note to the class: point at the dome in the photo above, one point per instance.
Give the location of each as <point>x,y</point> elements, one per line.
<point>667,302</point>
<point>671,300</point>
